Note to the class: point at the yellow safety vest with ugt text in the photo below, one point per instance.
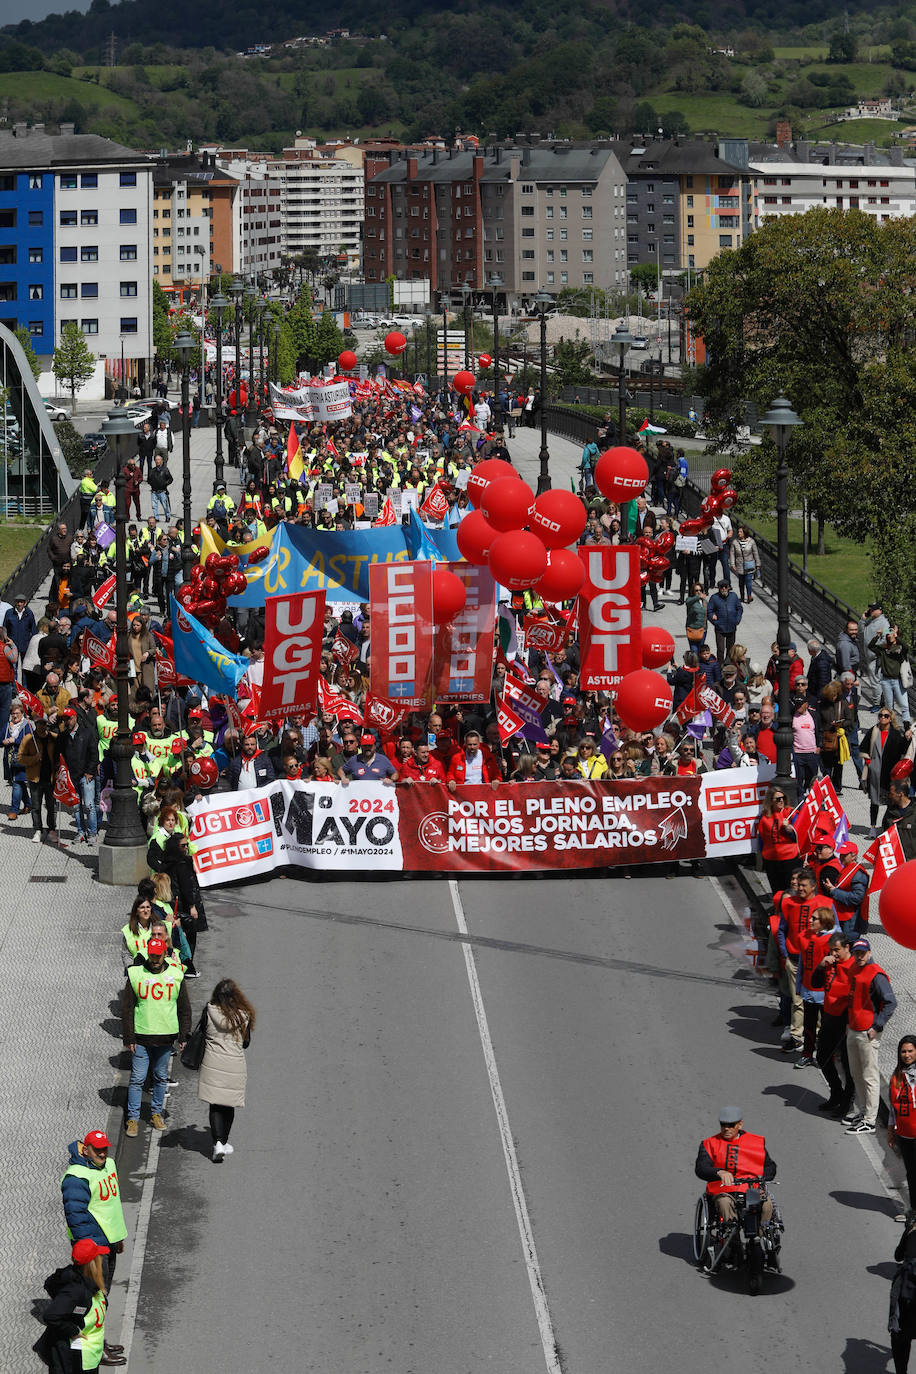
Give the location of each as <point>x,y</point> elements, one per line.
<point>91,1340</point>
<point>104,1198</point>
<point>156,1012</point>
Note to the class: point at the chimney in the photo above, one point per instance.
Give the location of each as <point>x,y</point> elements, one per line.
<point>38,128</point>
<point>20,129</point>
<point>526,156</point>
<point>783,133</point>
<point>411,169</point>
<point>477,165</point>
<point>67,130</point>
<point>435,156</point>
<point>868,158</point>
<point>896,155</point>
<point>498,153</point>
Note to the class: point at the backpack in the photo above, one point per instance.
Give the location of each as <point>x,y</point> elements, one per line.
<point>219,510</point>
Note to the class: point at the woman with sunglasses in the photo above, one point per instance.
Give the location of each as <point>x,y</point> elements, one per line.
<point>778,841</point>
<point>883,746</point>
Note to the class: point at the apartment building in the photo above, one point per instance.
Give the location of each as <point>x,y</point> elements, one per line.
<point>186,189</point>
<point>795,178</point>
<point>322,200</point>
<point>538,215</point>
<point>74,241</point>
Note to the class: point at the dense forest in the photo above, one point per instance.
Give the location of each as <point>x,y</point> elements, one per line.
<point>574,68</point>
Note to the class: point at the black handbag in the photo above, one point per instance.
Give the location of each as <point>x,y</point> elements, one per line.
<point>193,1052</point>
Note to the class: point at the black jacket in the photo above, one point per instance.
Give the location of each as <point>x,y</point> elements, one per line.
<point>80,750</point>
<point>159,478</point>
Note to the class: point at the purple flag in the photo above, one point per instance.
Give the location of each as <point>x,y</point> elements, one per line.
<point>105,535</point>
<point>609,743</point>
<point>415,413</point>
<point>535,732</point>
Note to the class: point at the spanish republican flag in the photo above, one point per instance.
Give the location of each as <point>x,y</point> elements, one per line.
<point>295,463</point>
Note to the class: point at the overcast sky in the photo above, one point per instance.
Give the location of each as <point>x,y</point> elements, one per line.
<point>11,11</point>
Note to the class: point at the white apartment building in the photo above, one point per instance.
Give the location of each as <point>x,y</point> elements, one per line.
<point>322,203</point>
<point>790,181</point>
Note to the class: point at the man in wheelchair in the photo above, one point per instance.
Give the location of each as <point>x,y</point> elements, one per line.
<point>733,1154</point>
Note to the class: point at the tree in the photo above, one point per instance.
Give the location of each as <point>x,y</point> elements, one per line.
<point>73,362</point>
<point>571,359</point>
<point>329,340</point>
<point>301,325</point>
<point>754,89</point>
<point>843,48</point>
<point>162,329</point>
<point>847,367</point>
<point>25,338</point>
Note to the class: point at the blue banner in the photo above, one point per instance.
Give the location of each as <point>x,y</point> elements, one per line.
<point>201,657</point>
<point>338,561</point>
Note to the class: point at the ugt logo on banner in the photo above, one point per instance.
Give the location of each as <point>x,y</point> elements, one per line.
<point>610,616</point>
<point>401,598</point>
<point>294,628</point>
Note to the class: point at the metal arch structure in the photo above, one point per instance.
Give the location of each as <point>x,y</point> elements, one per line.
<point>32,466</point>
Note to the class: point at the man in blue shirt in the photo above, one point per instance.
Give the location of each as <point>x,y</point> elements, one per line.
<point>367,765</point>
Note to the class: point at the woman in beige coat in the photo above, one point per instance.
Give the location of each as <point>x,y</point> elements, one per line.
<point>229,1022</point>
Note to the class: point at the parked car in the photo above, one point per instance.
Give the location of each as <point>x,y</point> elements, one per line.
<point>640,342</point>
<point>94,445</point>
<point>56,412</point>
<point>652,365</point>
<point>139,413</point>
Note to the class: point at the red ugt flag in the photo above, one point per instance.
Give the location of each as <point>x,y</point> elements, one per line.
<point>435,507</point>
<point>64,791</point>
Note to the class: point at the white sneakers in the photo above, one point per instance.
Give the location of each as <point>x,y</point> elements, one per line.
<point>36,837</point>
<point>218,1152</point>
<point>226,1149</point>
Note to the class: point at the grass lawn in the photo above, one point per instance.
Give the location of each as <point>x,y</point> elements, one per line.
<point>880,131</point>
<point>845,569</point>
<point>868,78</point>
<point>15,542</point>
<point>22,86</point>
<point>815,50</point>
<point>719,111</point>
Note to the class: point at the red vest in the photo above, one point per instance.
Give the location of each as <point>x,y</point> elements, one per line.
<point>6,668</point>
<point>743,1157</point>
<point>773,844</point>
<point>861,1011</point>
<point>797,916</point>
<point>837,988</point>
<point>814,949</point>
<point>903,1100</point>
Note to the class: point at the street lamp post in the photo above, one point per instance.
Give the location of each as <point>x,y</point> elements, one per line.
<point>122,853</point>
<point>466,298</point>
<point>262,314</point>
<point>444,304</point>
<point>184,347</point>
<point>276,351</point>
<point>429,366</point>
<point>496,285</point>
<point>218,305</point>
<point>250,296</point>
<point>543,299</point>
<point>781,418</point>
<point>622,340</point>
<point>236,291</point>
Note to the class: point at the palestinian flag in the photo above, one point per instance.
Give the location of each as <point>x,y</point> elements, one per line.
<point>646,428</point>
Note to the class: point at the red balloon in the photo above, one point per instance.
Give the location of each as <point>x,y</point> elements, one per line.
<point>197,573</point>
<point>208,587</point>
<point>463,382</point>
<point>507,503</point>
<point>720,479</point>
<point>235,584</point>
<point>259,554</point>
<point>211,562</point>
<point>558,518</point>
<point>728,498</point>
<point>484,361</point>
<point>897,905</point>
<point>475,538</point>
<point>621,474</point>
<point>563,578</point>
<point>395,343</point>
<point>490,470</point>
<point>347,360</point>
<point>665,541</point>
<point>231,562</point>
<point>657,647</point>
<point>203,772</point>
<point>449,595</point>
<point>517,559</point>
<point>643,700</point>
<point>205,610</point>
<point>186,594</point>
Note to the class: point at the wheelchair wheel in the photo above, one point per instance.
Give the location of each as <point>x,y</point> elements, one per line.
<point>701,1231</point>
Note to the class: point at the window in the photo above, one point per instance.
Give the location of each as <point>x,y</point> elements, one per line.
<point>529,210</point>
<point>550,255</point>
<point>587,190</point>
<point>527,189</point>
<point>528,253</point>
<point>564,255</point>
<point>588,235</point>
<point>68,255</point>
<point>8,291</point>
<point>586,212</point>
<point>68,181</point>
<point>129,252</point>
<point>68,291</point>
<point>588,277</point>
<point>690,221</point>
<point>35,181</point>
<point>130,179</point>
<point>550,236</point>
<point>36,255</point>
<point>89,217</point>
<point>128,288</point>
<point>725,240</point>
<point>563,212</point>
<point>89,179</point>
<point>528,276</point>
<point>588,255</point>
<point>36,292</point>
<point>8,256</point>
<point>90,289</point>
<point>690,202</point>
<point>90,253</point>
<point>67,219</point>
<point>564,234</point>
<point>564,278</point>
<point>36,327</point>
<point>527,233</point>
<point>89,326</point>
<point>548,212</point>
<point>550,276</point>
<point>128,217</point>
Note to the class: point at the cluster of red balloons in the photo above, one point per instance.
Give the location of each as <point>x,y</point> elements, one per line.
<point>522,539</point>
<point>211,583</point>
<point>395,343</point>
<point>621,474</point>
<point>721,498</point>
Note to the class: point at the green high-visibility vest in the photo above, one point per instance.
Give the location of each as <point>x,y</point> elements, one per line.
<point>104,1198</point>
<point>91,1340</point>
<point>87,487</point>
<point>136,944</point>
<point>156,1012</point>
<point>107,730</point>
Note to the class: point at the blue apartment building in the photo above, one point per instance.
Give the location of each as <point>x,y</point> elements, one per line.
<point>27,255</point>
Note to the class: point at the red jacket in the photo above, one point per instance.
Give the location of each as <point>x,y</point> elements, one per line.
<point>458,764</point>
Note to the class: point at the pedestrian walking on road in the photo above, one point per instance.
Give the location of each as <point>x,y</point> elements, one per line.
<point>228,1024</point>
<point>901,1116</point>
<point>155,1011</point>
<point>883,747</point>
<point>902,1320</point>
<point>92,1206</point>
<point>75,1316</point>
<point>871,1005</point>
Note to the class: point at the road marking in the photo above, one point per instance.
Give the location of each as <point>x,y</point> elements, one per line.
<point>141,1237</point>
<point>522,1216</point>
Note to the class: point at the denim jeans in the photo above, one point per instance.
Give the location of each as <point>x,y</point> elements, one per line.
<point>746,582</point>
<point>807,767</point>
<point>6,701</point>
<point>146,1057</point>
<point>161,505</point>
<point>894,697</point>
<point>87,819</point>
<point>20,798</point>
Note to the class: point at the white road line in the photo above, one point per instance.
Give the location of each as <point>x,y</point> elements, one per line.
<point>141,1236</point>
<point>526,1230</point>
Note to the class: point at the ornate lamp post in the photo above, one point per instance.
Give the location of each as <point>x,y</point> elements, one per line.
<point>622,340</point>
<point>781,419</point>
<point>466,298</point>
<point>262,312</point>
<point>184,347</point>
<point>496,285</point>
<point>122,853</point>
<point>542,300</point>
<point>219,304</point>
<point>236,291</point>
<point>251,295</point>
<point>276,373</point>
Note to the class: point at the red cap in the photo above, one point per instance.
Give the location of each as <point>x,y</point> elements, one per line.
<point>543,748</point>
<point>156,946</point>
<point>900,770</point>
<point>86,1249</point>
<point>195,714</point>
<point>367,738</point>
<point>138,738</point>
<point>177,745</point>
<point>847,847</point>
<point>98,1140</point>
<point>69,713</point>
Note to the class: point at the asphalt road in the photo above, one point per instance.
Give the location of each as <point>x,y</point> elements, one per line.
<point>367,1222</point>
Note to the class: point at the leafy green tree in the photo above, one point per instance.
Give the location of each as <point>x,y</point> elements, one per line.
<point>302,330</point>
<point>848,367</point>
<point>754,89</point>
<point>329,341</point>
<point>25,338</point>
<point>571,364</point>
<point>73,362</point>
<point>843,48</point>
